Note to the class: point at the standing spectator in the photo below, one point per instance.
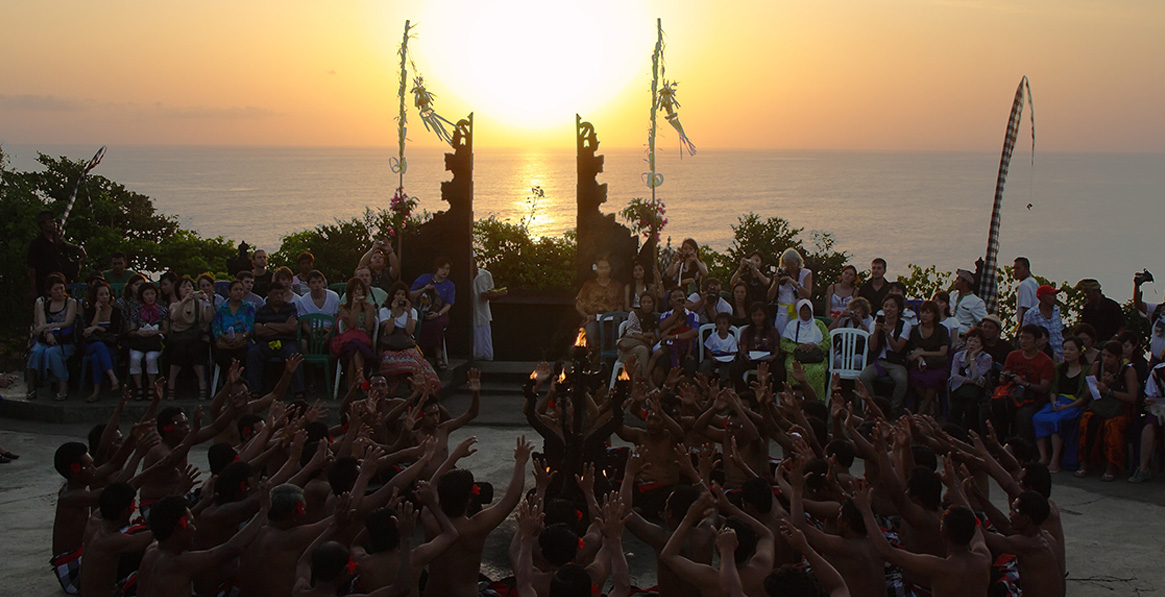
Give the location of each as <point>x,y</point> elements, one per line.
<point>600,295</point>
<point>839,294</point>
<point>708,305</point>
<point>751,274</point>
<point>1030,372</point>
<point>232,326</point>
<point>640,283</point>
<point>806,341</point>
<point>1155,313</point>
<point>53,318</point>
<point>118,272</point>
<point>927,360</point>
<point>306,262</point>
<point>434,294</point>
<point>968,308</point>
<point>383,264</point>
<point>687,270</point>
<point>1154,421</point>
<point>483,292</point>
<point>103,326</point>
<point>147,329</point>
<point>1066,400</point>
<point>358,320</point>
<point>49,253</point>
<point>1025,293</point>
<point>1105,424</point>
<point>875,289</point>
<point>190,316</point>
<point>1101,312</point>
<point>792,282</point>
<point>970,374</point>
<point>248,280</point>
<point>263,276</point>
<point>889,340</point>
<point>275,325</point>
<point>318,300</point>
<point>1046,314</point>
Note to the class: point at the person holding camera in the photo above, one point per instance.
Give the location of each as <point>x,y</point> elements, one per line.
<point>889,339</point>
<point>383,263</point>
<point>1023,390</point>
<point>399,352</point>
<point>709,304</point>
<point>687,270</point>
<point>751,274</point>
<point>1155,313</point>
<point>792,282</point>
<point>434,294</point>
<point>190,317</point>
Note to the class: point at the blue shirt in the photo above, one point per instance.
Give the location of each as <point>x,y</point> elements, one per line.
<point>242,321</point>
<point>1053,324</point>
<point>445,289</point>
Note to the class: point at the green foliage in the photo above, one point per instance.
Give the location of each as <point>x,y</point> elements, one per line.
<point>519,260</point>
<point>106,218</point>
<point>647,217</point>
<point>771,237</point>
<point>338,246</point>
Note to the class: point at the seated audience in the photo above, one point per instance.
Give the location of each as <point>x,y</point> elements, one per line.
<point>678,327</point>
<point>434,294</point>
<point>232,327</point>
<point>306,263</point>
<point>792,282</point>
<point>103,327</point>
<point>640,283</point>
<point>1067,397</point>
<point>760,343</point>
<point>708,305</point>
<point>1102,313</point>
<point>249,295</point>
<point>1104,425</point>
<point>640,336</point>
<point>927,356</point>
<point>400,354</point>
<point>806,342</point>
<point>968,308</point>
<point>318,299</point>
<point>601,295</point>
<point>186,344</point>
<point>357,320</point>
<point>840,293</point>
<point>970,375</point>
<point>53,333</point>
<point>118,272</point>
<point>147,329</point>
<point>888,345</point>
<point>207,289</point>
<point>686,270</point>
<point>1153,420</point>
<point>383,264</point>
<point>721,348</point>
<point>1046,314</point>
<point>275,338</point>
<point>740,302</point>
<point>1025,380</point>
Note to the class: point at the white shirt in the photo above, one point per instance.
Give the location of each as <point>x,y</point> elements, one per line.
<point>722,349</point>
<point>400,322</point>
<point>906,327</point>
<point>1025,296</point>
<point>305,305</point>
<point>968,310</point>
<point>1156,331</point>
<point>484,282</point>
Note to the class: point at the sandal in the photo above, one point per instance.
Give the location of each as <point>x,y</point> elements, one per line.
<point>1081,472</point>
<point>91,398</point>
<point>1107,477</point>
<point>10,455</point>
<point>139,394</point>
<point>59,397</point>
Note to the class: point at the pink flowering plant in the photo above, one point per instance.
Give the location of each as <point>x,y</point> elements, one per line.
<point>646,216</point>
<point>400,209</point>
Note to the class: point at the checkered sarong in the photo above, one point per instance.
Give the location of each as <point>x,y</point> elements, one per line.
<point>67,567</point>
<point>989,276</point>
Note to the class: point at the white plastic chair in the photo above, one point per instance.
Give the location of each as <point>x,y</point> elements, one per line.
<point>618,366</point>
<point>845,358</point>
<point>710,328</point>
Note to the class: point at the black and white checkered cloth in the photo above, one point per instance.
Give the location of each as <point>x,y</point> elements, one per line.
<point>989,280</point>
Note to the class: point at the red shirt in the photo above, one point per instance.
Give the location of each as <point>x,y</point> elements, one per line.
<point>1034,370</point>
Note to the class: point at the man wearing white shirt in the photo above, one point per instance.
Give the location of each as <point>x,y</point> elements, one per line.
<point>483,293</point>
<point>709,304</point>
<point>1156,316</point>
<point>968,308</point>
<point>1025,293</point>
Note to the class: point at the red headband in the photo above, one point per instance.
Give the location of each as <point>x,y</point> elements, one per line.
<point>475,490</point>
<point>183,522</point>
<point>300,508</point>
<point>350,567</point>
<point>75,467</point>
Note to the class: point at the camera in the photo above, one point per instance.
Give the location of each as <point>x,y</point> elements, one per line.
<point>1142,277</point>
<point>881,318</point>
<point>400,303</point>
<point>782,272</point>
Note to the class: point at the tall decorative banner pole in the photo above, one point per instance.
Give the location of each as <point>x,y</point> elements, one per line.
<point>652,178</point>
<point>989,275</point>
<point>89,166</point>
<point>399,164</point>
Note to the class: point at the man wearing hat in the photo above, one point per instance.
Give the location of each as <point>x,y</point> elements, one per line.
<point>993,343</point>
<point>1101,312</point>
<point>1046,314</point>
<point>968,308</point>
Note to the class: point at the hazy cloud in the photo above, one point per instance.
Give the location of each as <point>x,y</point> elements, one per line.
<point>245,113</point>
<point>43,103</point>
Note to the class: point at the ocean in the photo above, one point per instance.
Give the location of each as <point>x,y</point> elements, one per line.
<point>1075,215</point>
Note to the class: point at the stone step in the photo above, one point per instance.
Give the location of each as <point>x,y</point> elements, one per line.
<point>505,371</point>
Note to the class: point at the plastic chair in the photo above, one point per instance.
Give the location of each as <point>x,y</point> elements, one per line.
<point>610,320</point>
<point>339,288</point>
<point>222,288</point>
<point>845,357</point>
<point>318,349</point>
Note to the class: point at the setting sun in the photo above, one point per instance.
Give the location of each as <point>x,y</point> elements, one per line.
<point>533,64</point>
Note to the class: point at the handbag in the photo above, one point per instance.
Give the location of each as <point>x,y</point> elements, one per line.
<point>1010,391</point>
<point>1107,408</point>
<point>397,341</point>
<point>809,357</point>
<point>146,344</point>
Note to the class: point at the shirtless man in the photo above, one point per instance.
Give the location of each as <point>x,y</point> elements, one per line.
<point>656,445</point>
<point>753,555</point>
<point>1040,572</point>
<point>697,546</point>
<point>178,438</point>
<point>454,573</point>
<point>234,503</point>
<point>103,549</point>
<point>738,430</point>
<point>377,566</point>
<point>169,565</point>
<point>271,560</point>
<point>850,551</point>
<point>74,500</point>
<point>966,570</point>
<point>430,425</point>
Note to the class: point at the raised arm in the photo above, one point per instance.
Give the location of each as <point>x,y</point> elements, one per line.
<point>830,579</point>
<point>473,383</point>
<point>491,517</point>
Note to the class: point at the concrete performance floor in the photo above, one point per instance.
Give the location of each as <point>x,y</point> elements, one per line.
<point>1115,531</point>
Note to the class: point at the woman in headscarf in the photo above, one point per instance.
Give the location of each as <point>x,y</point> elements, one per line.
<point>806,340</point>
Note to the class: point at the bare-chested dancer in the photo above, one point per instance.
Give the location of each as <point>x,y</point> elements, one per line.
<point>109,541</point>
<point>454,573</point>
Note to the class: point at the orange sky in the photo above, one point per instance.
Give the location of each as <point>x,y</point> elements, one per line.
<point>832,74</point>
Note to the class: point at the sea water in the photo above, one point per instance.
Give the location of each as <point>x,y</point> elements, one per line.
<point>1074,215</point>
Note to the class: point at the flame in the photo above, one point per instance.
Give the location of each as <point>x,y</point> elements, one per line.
<point>533,375</point>
<point>581,340</point>
<point>623,376</point>
<point>562,376</point>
